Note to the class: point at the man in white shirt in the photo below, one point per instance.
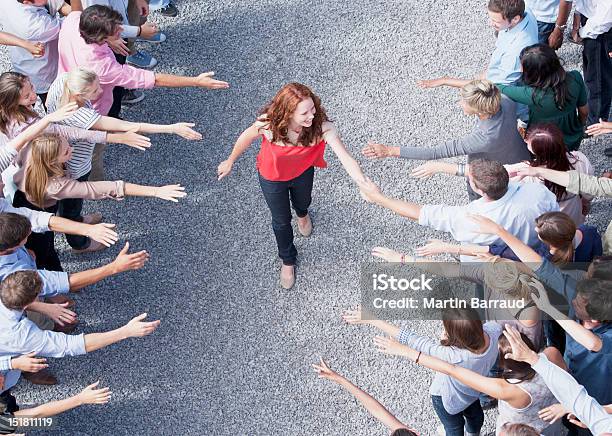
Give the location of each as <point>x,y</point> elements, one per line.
<point>552,18</point>
<point>511,205</point>
<point>596,35</point>
<point>30,20</point>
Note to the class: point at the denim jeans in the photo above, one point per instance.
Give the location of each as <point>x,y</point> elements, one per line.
<point>42,244</point>
<point>70,208</point>
<point>280,196</point>
<point>472,418</point>
<point>544,31</point>
<point>597,67</point>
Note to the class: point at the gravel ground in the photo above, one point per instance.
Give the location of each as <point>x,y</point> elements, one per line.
<point>233,353</point>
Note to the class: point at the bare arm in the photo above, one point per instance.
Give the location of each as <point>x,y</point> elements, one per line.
<point>349,163</point>
<point>204,80</point>
<point>444,81</point>
<point>372,193</point>
<point>36,49</point>
<point>76,5</point>
<point>243,142</point>
<point>110,124</point>
<point>102,232</point>
<point>135,328</point>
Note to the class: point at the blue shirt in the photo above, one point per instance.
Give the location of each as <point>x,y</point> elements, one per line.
<point>505,65</point>
<point>516,211</point>
<point>19,335</point>
<point>54,282</point>
<point>455,395</point>
<point>590,368</point>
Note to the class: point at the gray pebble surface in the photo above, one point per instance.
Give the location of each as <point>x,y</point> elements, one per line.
<point>233,353</point>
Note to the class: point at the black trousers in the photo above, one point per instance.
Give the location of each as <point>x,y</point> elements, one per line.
<point>280,196</point>
<point>71,208</point>
<point>118,92</point>
<point>597,67</point>
<point>8,403</point>
<point>42,244</point>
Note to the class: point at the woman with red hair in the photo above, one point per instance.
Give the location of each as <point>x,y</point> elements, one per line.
<point>295,130</point>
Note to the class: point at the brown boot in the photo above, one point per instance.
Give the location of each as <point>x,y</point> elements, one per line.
<point>93,246</point>
<point>42,377</point>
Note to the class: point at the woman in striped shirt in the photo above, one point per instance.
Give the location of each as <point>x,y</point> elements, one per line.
<point>81,86</point>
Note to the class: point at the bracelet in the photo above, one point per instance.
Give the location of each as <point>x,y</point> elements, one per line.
<point>460,170</point>
<point>403,259</point>
<point>139,30</point>
<point>418,357</point>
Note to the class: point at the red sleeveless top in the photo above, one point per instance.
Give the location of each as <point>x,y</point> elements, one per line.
<point>279,163</point>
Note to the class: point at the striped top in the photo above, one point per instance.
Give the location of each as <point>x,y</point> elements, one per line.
<point>84,118</point>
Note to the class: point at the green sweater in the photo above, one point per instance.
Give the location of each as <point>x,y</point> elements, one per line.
<point>545,110</point>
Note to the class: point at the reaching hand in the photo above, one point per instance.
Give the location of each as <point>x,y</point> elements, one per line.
<point>486,225</point>
<point>527,171</point>
<point>103,233</point>
<point>431,83</point>
<point>426,170</point>
<point>390,346</point>
<point>62,113</point>
<point>353,317</point>
<point>119,47</point>
<point>184,130</point>
<point>325,371</point>
<point>36,49</point>
<point>131,138</point>
<point>387,254</point>
<point>520,351</point>
<point>148,30</point>
<point>60,314</point>
<point>600,128</point>
<point>91,395</point>
<point>376,151</point>
<point>170,192</point>
<point>553,413</point>
<point>127,262</point>
<point>205,80</point>
<point>433,246</point>
<point>224,168</point>
<point>540,296</point>
<point>29,363</point>
<point>369,191</point>
<point>139,328</point>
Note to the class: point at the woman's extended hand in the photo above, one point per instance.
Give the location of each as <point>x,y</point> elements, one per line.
<point>369,191</point>
<point>104,233</point>
<point>130,138</point>
<point>391,346</point>
<point>224,168</point>
<point>431,83</point>
<point>325,371</point>
<point>353,317</point>
<point>600,128</point>
<point>376,151</point>
<point>205,80</point>
<point>170,192</point>
<point>428,169</point>
<point>485,225</point>
<point>520,351</point>
<point>540,296</point>
<point>434,246</point>
<point>91,395</point>
<point>387,254</point>
<point>62,113</point>
<point>553,413</point>
<point>185,130</point>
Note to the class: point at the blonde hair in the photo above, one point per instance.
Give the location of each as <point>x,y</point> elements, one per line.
<point>42,165</point>
<point>482,96</point>
<point>505,278</point>
<point>76,83</point>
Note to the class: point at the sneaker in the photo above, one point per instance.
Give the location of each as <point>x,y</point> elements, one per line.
<point>157,39</point>
<point>141,59</point>
<point>169,11</point>
<point>132,96</point>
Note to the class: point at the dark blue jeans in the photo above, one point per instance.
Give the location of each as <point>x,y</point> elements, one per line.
<point>471,418</point>
<point>70,208</point>
<point>280,196</point>
<point>544,31</point>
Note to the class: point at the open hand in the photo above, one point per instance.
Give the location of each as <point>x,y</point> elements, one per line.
<point>369,191</point>
<point>485,225</point>
<point>433,246</point>
<point>430,83</point>
<point>184,130</point>
<point>62,113</point>
<point>127,262</point>
<point>170,192</point>
<point>520,351</point>
<point>390,346</point>
<point>553,413</point>
<point>387,254</point>
<point>205,80</point>
<point>376,151</point>
<point>119,46</point>
<point>353,317</point>
<point>91,395</point>
<point>224,169</point>
<point>325,371</point>
<point>60,314</point>
<point>103,233</point>
<point>137,327</point>
<point>29,363</point>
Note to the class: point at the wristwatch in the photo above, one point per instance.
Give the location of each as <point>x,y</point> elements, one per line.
<point>561,28</point>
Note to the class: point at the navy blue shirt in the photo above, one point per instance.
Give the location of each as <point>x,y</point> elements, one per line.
<point>591,369</point>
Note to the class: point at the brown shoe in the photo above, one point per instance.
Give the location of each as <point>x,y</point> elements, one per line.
<point>305,229</point>
<point>60,299</point>
<point>287,276</point>
<point>42,377</point>
<point>92,218</point>
<point>66,328</point>
<point>93,246</point>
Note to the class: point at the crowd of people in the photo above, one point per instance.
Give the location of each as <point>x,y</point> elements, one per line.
<point>75,63</point>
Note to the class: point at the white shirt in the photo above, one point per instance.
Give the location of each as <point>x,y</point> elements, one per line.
<point>33,24</point>
<point>599,14</point>
<point>516,211</point>
<point>120,6</point>
<point>545,11</point>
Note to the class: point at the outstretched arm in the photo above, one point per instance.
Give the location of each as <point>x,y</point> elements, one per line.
<point>137,327</point>
<point>244,141</point>
<point>331,136</point>
<point>376,409</point>
<point>372,194</point>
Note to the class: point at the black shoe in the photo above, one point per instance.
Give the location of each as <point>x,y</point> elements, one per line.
<point>608,151</point>
<point>169,11</point>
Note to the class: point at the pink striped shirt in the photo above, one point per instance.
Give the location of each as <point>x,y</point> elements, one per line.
<point>75,52</point>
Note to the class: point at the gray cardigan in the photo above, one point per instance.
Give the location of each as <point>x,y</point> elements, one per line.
<point>496,138</point>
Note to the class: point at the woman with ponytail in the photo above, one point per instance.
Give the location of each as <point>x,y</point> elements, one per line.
<point>42,181</point>
<point>80,86</point>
